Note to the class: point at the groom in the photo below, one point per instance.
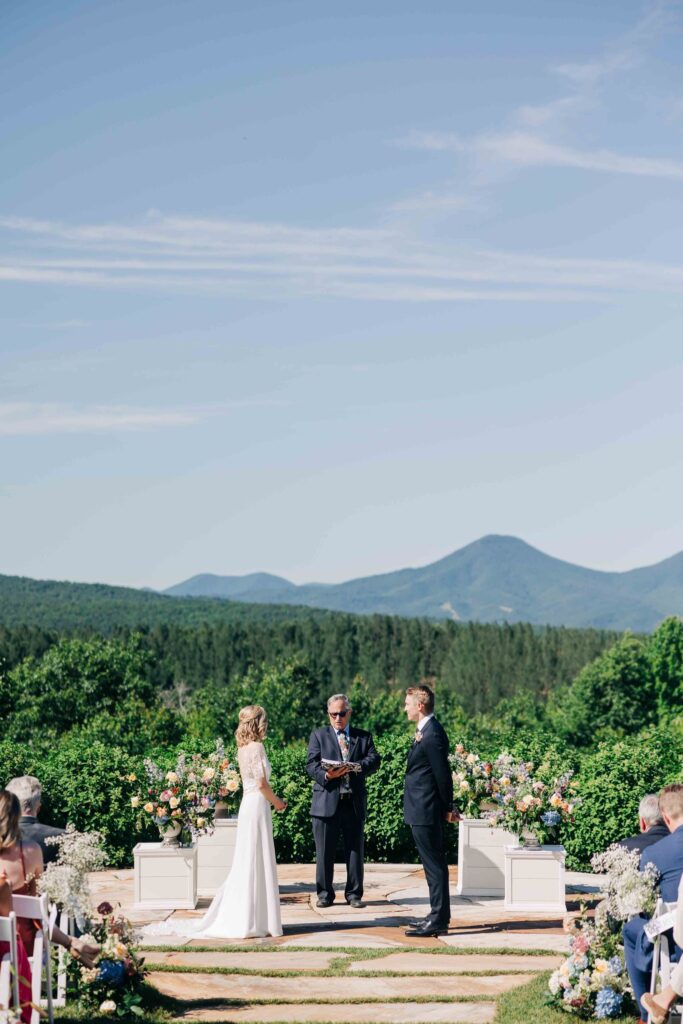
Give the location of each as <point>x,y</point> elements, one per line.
<point>427,803</point>
<point>339,799</point>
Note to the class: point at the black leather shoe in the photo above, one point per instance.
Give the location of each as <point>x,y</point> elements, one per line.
<point>426,931</point>
<point>322,902</point>
<point>356,902</point>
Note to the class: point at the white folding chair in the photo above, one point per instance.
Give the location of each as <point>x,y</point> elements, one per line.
<point>36,909</point>
<point>660,977</point>
<point>9,967</point>
<point>67,925</point>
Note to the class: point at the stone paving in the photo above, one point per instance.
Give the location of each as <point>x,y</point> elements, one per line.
<point>346,966</point>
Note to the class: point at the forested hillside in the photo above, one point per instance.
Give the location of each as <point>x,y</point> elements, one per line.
<point>479,663</point>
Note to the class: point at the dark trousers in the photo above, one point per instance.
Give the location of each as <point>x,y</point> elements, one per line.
<point>638,953</point>
<point>430,847</point>
<point>326,834</point>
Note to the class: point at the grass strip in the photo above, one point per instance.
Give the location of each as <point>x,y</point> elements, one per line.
<point>360,953</point>
<point>328,973</point>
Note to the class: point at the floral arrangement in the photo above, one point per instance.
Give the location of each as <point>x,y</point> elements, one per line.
<point>186,795</point>
<point>9,1016</point>
<point>592,982</point>
<point>529,807</point>
<point>627,890</point>
<point>66,879</point>
<point>113,985</point>
<point>471,781</point>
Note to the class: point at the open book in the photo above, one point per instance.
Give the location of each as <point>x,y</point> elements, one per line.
<point>327,764</point>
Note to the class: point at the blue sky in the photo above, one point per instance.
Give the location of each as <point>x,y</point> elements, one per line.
<point>328,290</point>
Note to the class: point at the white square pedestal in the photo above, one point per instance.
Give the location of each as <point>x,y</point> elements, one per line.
<point>214,856</point>
<point>534,879</point>
<point>165,877</point>
<point>481,858</point>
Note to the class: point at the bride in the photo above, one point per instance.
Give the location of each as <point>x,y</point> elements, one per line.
<point>247,905</point>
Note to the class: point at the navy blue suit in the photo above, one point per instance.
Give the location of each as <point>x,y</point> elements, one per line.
<point>667,857</point>
<point>333,812</point>
<point>645,839</point>
<point>427,797</point>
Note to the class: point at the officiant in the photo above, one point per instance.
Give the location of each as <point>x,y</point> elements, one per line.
<point>339,801</point>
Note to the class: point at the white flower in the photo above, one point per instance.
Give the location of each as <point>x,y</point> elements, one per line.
<point>232,785</point>
<point>108,1006</point>
<point>554,982</point>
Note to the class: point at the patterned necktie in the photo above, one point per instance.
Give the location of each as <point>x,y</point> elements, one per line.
<point>345,786</point>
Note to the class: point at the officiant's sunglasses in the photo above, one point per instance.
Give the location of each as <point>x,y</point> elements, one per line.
<point>339,714</point>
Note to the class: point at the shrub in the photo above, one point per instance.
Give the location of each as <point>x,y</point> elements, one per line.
<point>612,780</point>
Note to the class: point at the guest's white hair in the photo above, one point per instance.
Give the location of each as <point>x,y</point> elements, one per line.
<point>28,791</point>
<point>649,811</point>
<point>338,696</point>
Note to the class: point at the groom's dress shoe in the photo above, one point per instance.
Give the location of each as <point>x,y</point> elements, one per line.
<point>426,931</point>
<point>322,902</point>
<point>356,903</point>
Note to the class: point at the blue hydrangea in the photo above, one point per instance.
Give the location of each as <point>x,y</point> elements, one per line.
<point>112,972</point>
<point>551,818</point>
<point>608,1003</point>
<point>616,965</point>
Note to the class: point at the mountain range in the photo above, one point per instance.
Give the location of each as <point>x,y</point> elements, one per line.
<point>494,579</point>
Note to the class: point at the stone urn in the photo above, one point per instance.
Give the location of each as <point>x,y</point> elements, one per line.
<point>170,834</point>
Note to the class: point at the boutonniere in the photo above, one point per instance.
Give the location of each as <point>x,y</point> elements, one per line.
<point>418,735</point>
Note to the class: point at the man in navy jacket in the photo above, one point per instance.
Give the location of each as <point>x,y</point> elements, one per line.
<point>652,827</point>
<point>427,803</point>
<point>667,857</point>
<point>339,801</point>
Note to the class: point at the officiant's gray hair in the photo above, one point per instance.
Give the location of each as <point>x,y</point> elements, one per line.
<point>28,791</point>
<point>338,696</point>
<point>649,811</point>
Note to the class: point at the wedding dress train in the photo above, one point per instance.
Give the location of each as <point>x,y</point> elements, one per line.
<point>247,905</point>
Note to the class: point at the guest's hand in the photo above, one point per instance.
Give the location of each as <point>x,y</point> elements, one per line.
<point>451,816</point>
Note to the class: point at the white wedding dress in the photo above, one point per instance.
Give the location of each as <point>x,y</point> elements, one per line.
<point>247,905</point>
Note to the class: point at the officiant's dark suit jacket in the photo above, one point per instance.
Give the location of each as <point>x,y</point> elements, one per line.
<point>324,743</point>
<point>428,792</point>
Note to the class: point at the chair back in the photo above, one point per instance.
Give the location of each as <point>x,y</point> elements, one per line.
<point>661,955</point>
<point>34,907</point>
<point>9,968</point>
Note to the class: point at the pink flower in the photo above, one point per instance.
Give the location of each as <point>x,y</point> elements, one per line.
<point>581,944</point>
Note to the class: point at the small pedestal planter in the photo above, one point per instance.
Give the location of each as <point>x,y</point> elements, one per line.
<point>165,877</point>
<point>534,879</point>
<point>214,856</point>
<point>481,858</point>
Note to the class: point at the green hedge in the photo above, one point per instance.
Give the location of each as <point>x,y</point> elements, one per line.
<point>84,782</point>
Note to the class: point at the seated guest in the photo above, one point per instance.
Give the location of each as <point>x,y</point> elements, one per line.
<point>667,857</point>
<point>652,827</point>
<point>21,864</point>
<point>29,793</point>
<point>23,963</point>
<point>658,1006</point>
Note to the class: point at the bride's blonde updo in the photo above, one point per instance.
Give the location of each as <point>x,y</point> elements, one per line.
<point>253,725</point>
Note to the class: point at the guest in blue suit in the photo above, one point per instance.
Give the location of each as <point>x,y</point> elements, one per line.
<point>667,857</point>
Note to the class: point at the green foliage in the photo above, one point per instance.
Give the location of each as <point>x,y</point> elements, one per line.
<point>74,680</point>
<point>665,651</point>
<point>615,695</point>
<point>611,781</point>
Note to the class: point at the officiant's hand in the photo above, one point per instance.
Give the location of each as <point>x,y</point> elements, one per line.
<point>337,773</point>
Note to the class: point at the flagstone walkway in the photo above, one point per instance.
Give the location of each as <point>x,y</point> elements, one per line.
<point>346,966</point>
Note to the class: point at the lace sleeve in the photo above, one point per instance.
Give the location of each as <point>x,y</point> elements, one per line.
<point>252,762</point>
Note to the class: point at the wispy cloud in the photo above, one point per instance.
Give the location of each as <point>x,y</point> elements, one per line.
<point>530,150</point>
<point>30,418</point>
<point>371,265</point>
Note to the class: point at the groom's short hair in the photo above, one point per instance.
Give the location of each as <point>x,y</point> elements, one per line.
<point>424,695</point>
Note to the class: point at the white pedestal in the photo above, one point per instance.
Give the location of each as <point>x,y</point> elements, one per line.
<point>214,856</point>
<point>481,858</point>
<point>534,879</point>
<point>165,877</point>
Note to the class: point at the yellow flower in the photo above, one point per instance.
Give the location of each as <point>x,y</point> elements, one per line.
<point>201,822</point>
<point>134,801</point>
<point>464,785</point>
<point>232,785</point>
<point>172,777</point>
<point>149,808</point>
<point>528,799</point>
<point>601,965</point>
<point>174,801</point>
<point>555,800</point>
<point>505,781</point>
<point>132,777</point>
<point>176,814</point>
<point>208,774</point>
